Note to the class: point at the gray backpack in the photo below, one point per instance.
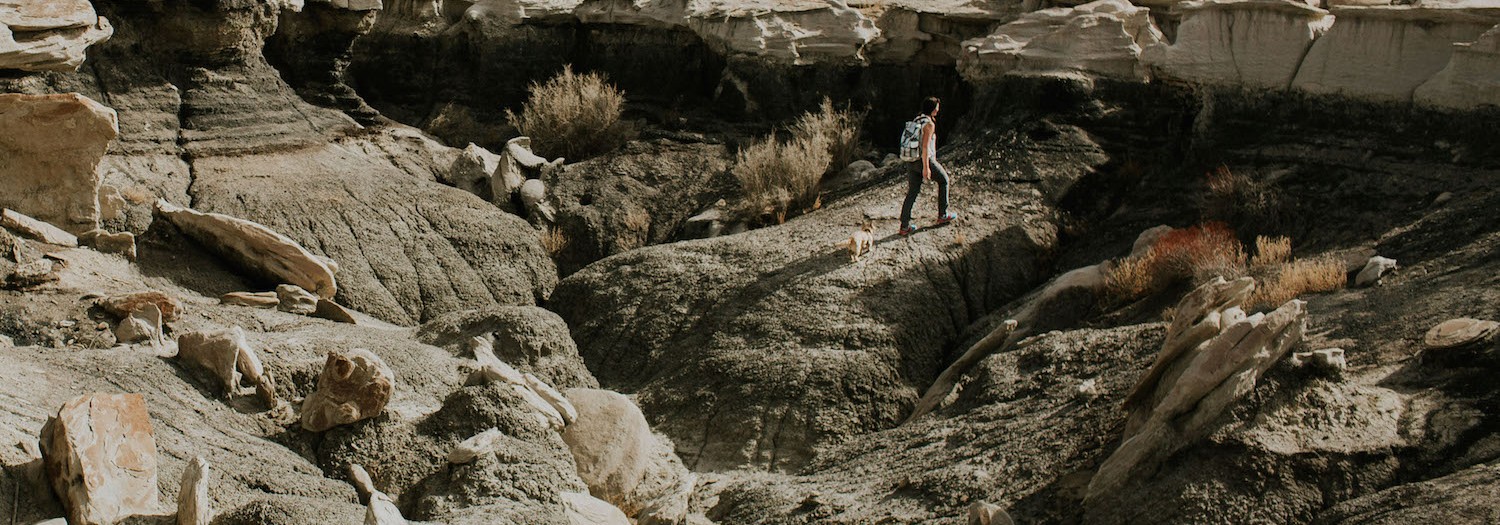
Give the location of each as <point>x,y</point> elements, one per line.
<point>911,138</point>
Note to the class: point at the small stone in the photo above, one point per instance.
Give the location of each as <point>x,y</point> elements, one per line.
<point>553,398</point>
<point>1442,198</point>
<point>333,312</point>
<point>122,243</point>
<point>380,510</point>
<point>126,304</point>
<point>1088,390</point>
<point>534,199</point>
<point>858,168</point>
<point>478,445</point>
<point>1330,360</point>
<point>100,454</point>
<point>354,385</point>
<point>1374,269</point>
<point>251,299</point>
<point>143,325</point>
<point>193,505</point>
<point>292,298</point>
<point>111,203</point>
<point>35,229</point>
<point>1454,333</point>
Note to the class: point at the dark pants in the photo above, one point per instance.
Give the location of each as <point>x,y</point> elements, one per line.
<point>914,186</point>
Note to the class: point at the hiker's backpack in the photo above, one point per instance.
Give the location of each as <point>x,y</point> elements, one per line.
<point>911,138</point>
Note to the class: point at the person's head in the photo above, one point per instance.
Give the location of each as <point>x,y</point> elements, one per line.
<point>930,106</point>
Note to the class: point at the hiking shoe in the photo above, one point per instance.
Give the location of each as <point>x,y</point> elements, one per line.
<point>947,218</point>
<point>906,230</point>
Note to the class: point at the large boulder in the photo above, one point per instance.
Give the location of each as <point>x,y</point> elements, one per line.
<point>48,35</point>
<point>100,453</point>
<point>51,149</point>
<point>622,461</point>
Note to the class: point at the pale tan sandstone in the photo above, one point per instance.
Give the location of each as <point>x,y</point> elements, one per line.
<point>100,454</point>
<point>256,247</point>
<point>354,385</point>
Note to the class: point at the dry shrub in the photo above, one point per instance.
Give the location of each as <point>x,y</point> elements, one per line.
<point>779,178</point>
<point>572,115</point>
<point>1297,278</point>
<point>456,125</point>
<point>1242,201</point>
<point>554,240</point>
<point>1271,252</point>
<point>840,127</point>
<point>1195,254</point>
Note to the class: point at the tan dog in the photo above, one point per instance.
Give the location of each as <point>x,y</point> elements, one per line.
<point>862,241</point>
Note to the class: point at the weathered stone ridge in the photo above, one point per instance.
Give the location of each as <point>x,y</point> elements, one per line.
<point>1429,54</point>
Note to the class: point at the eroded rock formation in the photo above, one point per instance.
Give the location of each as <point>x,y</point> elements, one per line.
<point>353,385</point>
<point>48,35</point>
<point>52,146</point>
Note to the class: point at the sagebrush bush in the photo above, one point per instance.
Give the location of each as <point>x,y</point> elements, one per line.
<point>1295,278</point>
<point>840,127</point>
<point>1195,254</point>
<point>572,115</point>
<point>778,177</point>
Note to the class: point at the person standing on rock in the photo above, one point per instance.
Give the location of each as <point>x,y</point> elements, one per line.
<point>919,145</point>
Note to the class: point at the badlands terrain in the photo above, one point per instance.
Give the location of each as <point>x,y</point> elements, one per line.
<point>288,262</point>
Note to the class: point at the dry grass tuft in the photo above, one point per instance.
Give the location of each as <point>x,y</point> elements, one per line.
<point>840,127</point>
<point>637,230</point>
<point>137,195</point>
<point>554,240</point>
<point>572,115</point>
<point>1299,277</point>
<point>1271,252</point>
<point>781,178</point>
<point>1194,254</point>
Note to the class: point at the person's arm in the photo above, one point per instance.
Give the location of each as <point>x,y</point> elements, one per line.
<point>927,132</point>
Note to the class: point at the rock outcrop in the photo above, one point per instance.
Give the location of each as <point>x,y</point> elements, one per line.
<point>353,385</point>
<point>100,453</point>
<point>1102,38</point>
<point>1257,44</point>
<point>48,35</point>
<point>1471,78</point>
<point>52,147</point>
<point>1213,355</point>
<point>1385,53</point>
